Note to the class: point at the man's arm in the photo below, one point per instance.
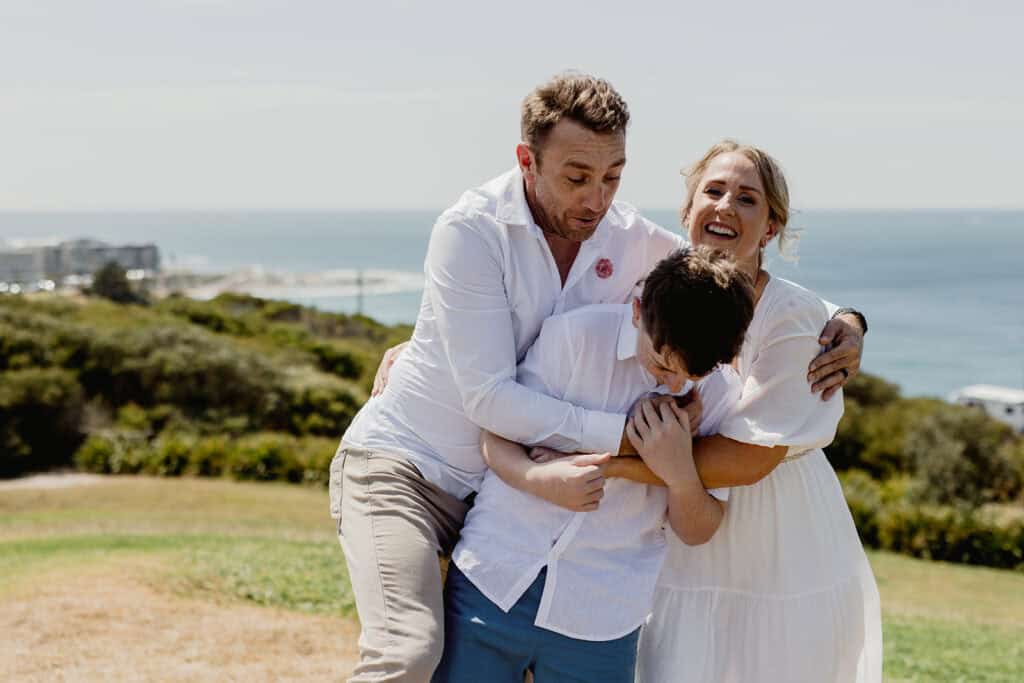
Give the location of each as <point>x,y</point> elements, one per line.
<point>466,287</point>
<point>843,337</point>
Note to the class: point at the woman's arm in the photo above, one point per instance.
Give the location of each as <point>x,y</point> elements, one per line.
<point>721,462</point>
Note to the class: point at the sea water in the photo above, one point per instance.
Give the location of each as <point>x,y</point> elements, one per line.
<point>943,290</point>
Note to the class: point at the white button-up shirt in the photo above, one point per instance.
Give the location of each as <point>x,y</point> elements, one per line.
<point>491,281</point>
<point>602,566</point>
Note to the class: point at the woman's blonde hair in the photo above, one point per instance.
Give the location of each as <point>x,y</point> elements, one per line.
<point>775,188</point>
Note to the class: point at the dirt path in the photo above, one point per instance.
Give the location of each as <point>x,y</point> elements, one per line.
<point>56,480</point>
<point>108,625</point>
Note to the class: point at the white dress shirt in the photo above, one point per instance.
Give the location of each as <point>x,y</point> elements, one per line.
<point>602,566</point>
<point>491,281</point>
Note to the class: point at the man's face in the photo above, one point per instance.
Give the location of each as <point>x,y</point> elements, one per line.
<point>667,368</point>
<point>571,180</point>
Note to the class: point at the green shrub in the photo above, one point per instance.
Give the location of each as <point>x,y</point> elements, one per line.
<point>263,457</point>
<point>21,348</point>
<point>170,455</point>
<point>870,391</point>
<point>209,315</point>
<point>963,456</point>
<point>111,282</point>
<point>113,452</point>
<point>951,534</point>
<point>209,457</point>
<point>341,362</point>
<point>864,497</point>
<point>40,419</point>
<point>321,407</point>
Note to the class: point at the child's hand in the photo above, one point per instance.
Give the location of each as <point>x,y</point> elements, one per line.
<point>542,454</point>
<point>661,436</point>
<point>575,482</point>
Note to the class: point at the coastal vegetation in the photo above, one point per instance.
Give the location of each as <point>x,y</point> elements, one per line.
<point>253,389</point>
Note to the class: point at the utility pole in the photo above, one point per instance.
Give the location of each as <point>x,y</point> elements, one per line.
<point>359,290</point>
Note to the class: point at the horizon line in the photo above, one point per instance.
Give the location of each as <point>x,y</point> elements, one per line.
<point>125,210</point>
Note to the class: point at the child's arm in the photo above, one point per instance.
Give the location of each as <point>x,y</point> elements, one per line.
<point>575,482</point>
<point>694,514</point>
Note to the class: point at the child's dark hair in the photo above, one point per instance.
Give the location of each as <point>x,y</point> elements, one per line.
<point>697,304</point>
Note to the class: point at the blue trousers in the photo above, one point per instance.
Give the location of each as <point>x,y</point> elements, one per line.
<point>482,643</point>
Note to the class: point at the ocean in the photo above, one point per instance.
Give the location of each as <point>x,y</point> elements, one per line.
<point>943,290</point>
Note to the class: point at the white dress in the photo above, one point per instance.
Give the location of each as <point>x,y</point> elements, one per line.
<point>783,592</point>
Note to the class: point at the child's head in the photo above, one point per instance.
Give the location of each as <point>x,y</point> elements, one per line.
<point>694,310</point>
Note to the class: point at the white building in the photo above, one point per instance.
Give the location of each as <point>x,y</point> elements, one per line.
<point>26,264</point>
<point>59,260</point>
<point>1002,403</point>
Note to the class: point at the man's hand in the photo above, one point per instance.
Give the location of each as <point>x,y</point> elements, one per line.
<point>380,380</point>
<point>844,339</point>
<point>575,482</point>
<point>661,435</point>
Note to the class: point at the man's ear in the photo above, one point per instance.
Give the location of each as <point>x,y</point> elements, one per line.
<point>527,161</point>
<point>636,312</point>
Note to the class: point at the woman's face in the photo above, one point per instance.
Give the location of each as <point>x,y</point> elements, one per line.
<point>729,209</point>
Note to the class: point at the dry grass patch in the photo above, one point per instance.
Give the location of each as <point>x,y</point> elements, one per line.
<point>108,624</point>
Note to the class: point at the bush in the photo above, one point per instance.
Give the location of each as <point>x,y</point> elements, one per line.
<point>209,315</point>
<point>169,455</point>
<point>952,534</point>
<point>113,452</point>
<point>963,456</point>
<point>323,407</point>
<point>870,391</point>
<point>111,282</point>
<point>40,419</point>
<point>209,457</point>
<point>340,362</point>
<point>264,456</point>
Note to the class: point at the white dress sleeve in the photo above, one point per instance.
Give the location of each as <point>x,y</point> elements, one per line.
<point>719,392</point>
<point>776,406</point>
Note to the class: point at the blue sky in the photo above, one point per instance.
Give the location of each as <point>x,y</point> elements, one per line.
<point>221,104</point>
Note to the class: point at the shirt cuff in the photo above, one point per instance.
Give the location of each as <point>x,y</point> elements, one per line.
<point>602,432</point>
<point>830,308</point>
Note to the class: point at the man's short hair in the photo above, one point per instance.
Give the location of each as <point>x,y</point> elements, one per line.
<point>697,304</point>
<point>592,102</point>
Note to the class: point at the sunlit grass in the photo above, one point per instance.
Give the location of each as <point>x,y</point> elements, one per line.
<point>274,544</point>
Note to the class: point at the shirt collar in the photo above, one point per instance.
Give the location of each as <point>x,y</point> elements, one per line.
<point>512,209</point>
<point>627,334</point>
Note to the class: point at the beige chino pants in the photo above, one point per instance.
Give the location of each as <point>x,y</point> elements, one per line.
<point>392,525</point>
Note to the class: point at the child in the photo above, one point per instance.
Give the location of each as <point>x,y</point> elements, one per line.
<point>538,587</point>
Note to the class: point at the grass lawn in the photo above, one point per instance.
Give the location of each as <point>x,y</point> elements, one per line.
<point>234,545</point>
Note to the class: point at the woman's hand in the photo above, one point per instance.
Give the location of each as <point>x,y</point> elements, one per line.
<point>844,339</point>
<point>380,380</point>
<point>661,435</point>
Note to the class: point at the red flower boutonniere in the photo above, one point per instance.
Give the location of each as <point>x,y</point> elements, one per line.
<point>604,268</point>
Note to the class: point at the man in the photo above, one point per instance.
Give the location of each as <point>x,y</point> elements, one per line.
<point>542,239</point>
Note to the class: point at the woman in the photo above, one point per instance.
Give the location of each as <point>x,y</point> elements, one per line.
<point>783,591</point>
